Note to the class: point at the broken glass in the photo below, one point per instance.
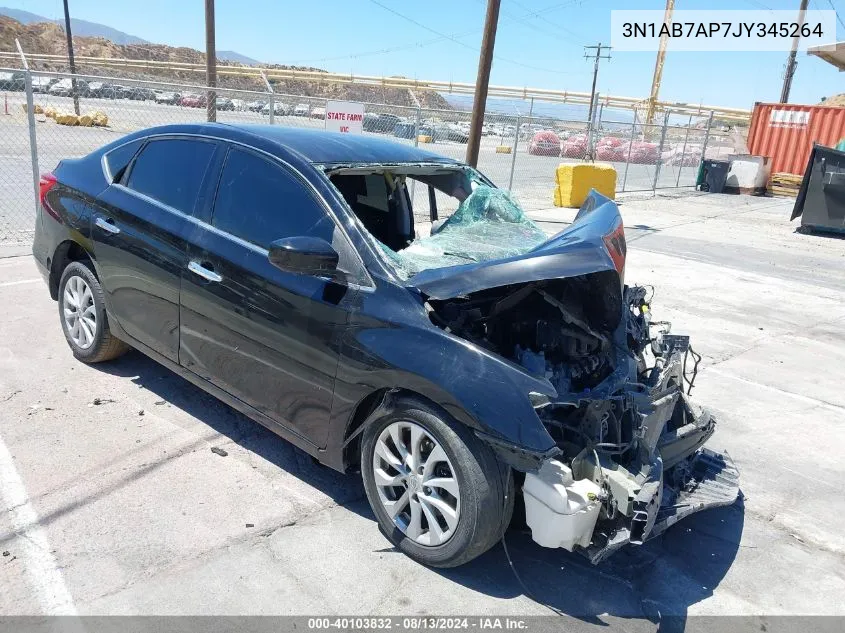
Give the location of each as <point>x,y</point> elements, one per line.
<point>488,224</point>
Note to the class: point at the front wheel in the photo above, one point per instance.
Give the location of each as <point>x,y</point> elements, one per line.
<point>83,316</point>
<point>438,492</point>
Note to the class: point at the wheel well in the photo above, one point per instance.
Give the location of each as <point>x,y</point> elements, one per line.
<point>365,408</point>
<point>66,252</point>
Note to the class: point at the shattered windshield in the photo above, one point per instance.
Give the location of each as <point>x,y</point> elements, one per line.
<point>395,204</point>
<point>488,224</point>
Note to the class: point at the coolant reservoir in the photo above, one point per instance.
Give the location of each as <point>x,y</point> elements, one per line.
<point>561,512</point>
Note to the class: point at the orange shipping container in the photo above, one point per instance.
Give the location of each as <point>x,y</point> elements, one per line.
<point>786,132</point>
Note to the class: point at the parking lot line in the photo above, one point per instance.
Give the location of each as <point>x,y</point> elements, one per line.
<point>19,282</point>
<point>30,542</point>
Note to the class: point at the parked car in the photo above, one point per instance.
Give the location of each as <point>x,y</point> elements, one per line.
<point>224,103</point>
<point>545,143</point>
<point>193,101</point>
<point>240,105</point>
<point>681,155</point>
<point>168,98</point>
<point>318,113</point>
<point>279,109</point>
<point>575,146</point>
<point>405,129</point>
<point>611,148</point>
<point>13,81</point>
<point>256,106</point>
<point>101,90</point>
<point>383,123</point>
<point>302,109</point>
<point>642,152</point>
<point>64,88</point>
<point>457,133</point>
<point>139,93</point>
<point>42,84</point>
<point>509,363</point>
<point>370,122</point>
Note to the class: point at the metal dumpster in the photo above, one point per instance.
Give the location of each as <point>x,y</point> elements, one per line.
<point>712,175</point>
<point>821,199</point>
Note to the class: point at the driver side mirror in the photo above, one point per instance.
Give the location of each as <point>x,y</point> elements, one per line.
<point>304,255</point>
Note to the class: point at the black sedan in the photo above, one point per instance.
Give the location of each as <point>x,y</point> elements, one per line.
<point>280,270</point>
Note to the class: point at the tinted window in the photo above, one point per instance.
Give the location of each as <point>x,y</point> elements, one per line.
<point>171,171</point>
<point>119,158</point>
<point>261,202</point>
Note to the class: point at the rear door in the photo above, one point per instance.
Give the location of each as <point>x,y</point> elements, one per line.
<point>267,337</point>
<point>140,235</point>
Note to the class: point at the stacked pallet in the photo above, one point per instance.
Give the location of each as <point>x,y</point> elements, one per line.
<point>785,184</point>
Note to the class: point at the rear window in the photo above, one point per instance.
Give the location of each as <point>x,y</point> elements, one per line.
<point>171,171</point>
<point>119,158</point>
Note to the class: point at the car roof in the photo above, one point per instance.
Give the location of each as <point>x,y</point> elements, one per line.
<point>314,145</point>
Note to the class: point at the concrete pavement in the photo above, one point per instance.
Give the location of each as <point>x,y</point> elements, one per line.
<point>126,509</point>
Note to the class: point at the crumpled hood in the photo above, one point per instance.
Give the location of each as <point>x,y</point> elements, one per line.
<point>579,249</point>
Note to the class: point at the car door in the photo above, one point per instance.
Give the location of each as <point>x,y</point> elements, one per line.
<point>269,338</point>
<point>140,232</point>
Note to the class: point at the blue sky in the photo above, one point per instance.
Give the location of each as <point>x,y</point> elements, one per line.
<point>539,42</point>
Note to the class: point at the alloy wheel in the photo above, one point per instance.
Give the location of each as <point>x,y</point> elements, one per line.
<point>416,483</point>
<point>79,312</point>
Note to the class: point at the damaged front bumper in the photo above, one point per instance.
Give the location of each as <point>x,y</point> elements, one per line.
<point>598,502</point>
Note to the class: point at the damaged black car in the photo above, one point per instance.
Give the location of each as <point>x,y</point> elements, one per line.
<point>390,311</point>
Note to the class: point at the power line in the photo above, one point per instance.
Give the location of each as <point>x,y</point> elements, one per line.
<point>830,2</point>
<point>383,51</point>
<point>464,44</point>
<point>537,15</point>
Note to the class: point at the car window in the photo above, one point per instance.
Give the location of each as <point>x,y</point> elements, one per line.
<point>260,202</point>
<point>118,159</point>
<point>171,171</point>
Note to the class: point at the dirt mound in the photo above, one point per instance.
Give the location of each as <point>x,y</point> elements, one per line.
<point>835,100</point>
<point>49,38</point>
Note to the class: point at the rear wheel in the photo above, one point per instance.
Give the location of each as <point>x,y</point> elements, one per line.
<point>83,316</point>
<point>437,491</point>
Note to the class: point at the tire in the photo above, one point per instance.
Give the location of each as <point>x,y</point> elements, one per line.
<point>92,341</point>
<point>480,512</point>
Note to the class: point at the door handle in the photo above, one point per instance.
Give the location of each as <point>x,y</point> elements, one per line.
<point>107,225</point>
<point>207,274</point>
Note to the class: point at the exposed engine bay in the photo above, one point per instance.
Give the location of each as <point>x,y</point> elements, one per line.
<point>630,461</point>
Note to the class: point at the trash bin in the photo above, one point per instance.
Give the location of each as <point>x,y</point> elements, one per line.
<point>712,175</point>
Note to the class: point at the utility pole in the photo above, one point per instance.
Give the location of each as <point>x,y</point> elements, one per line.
<point>485,61</point>
<point>210,62</point>
<point>658,64</point>
<point>70,60</point>
<point>790,61</point>
<point>593,100</point>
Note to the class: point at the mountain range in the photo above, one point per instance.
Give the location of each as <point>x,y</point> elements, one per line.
<point>84,28</point>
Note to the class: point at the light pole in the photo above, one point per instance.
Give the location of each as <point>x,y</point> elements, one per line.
<point>210,62</point>
<point>485,61</point>
<point>70,60</point>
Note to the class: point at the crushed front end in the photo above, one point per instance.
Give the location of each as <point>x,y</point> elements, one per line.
<point>634,434</point>
<point>630,459</point>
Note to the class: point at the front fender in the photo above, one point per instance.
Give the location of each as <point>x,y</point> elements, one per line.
<point>476,387</point>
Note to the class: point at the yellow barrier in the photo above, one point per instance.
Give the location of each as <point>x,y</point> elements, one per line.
<point>574,181</point>
<point>424,138</point>
<point>503,149</point>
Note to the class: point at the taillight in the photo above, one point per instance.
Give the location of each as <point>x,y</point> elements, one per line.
<point>45,183</point>
<point>616,246</point>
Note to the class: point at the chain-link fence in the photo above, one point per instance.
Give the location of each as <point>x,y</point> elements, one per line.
<point>518,153</point>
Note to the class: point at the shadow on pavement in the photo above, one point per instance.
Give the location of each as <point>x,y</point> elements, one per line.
<point>820,232</point>
<point>656,582</point>
<point>243,431</point>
